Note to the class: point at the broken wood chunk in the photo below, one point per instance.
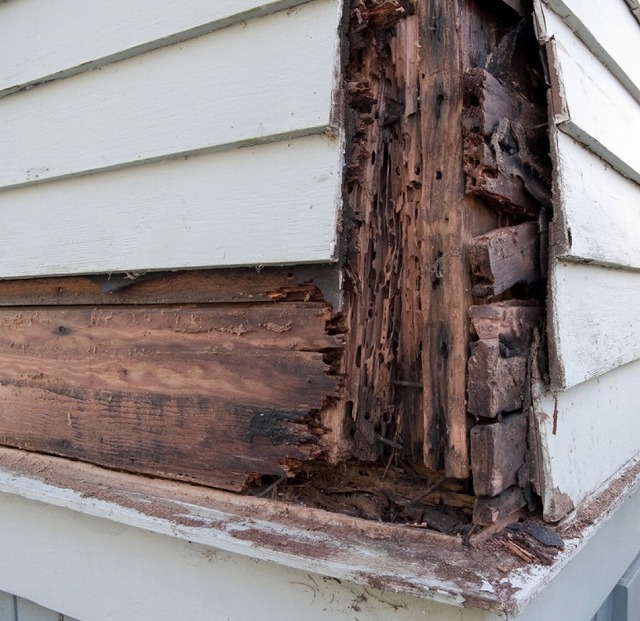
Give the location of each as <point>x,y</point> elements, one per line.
<point>487,511</point>
<point>488,102</point>
<point>497,454</point>
<point>497,366</point>
<point>513,320</point>
<point>505,147</point>
<point>495,384</point>
<point>505,257</point>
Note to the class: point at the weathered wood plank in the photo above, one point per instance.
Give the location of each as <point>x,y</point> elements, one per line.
<point>594,107</point>
<point>505,257</point>
<point>211,395</point>
<point>39,41</point>
<point>593,326</point>
<point>597,209</point>
<point>240,285</point>
<point>610,32</point>
<point>497,454</point>
<point>180,99</point>
<point>207,211</point>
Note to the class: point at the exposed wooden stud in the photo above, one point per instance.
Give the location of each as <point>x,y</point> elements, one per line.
<point>384,273</point>
<point>444,302</point>
<point>497,454</point>
<point>505,257</point>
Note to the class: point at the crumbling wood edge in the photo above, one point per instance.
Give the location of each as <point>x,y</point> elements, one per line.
<point>425,565</point>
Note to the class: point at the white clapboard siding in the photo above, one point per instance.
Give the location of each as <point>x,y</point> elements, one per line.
<point>268,204</point>
<point>594,321</point>
<point>599,209</point>
<point>634,5</point>
<point>611,33</point>
<point>594,107</point>
<point>41,39</point>
<point>587,434</point>
<point>272,76</point>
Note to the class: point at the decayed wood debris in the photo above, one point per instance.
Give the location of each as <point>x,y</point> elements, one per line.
<point>507,165</point>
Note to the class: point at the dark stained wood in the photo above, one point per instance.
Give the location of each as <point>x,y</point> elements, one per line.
<point>215,395</point>
<point>488,511</point>
<point>505,257</point>
<point>383,267</point>
<point>242,285</point>
<point>498,453</point>
<point>498,364</point>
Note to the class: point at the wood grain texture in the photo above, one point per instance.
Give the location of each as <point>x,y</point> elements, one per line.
<point>180,99</point>
<point>597,209</point>
<point>596,109</point>
<point>610,32</point>
<point>594,327</point>
<point>383,271</point>
<point>40,41</point>
<point>269,204</point>
<point>444,304</point>
<point>491,510</point>
<point>208,395</point>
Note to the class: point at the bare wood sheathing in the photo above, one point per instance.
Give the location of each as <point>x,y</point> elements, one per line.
<point>215,378</point>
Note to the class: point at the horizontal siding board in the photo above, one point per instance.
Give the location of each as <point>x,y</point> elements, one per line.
<point>268,204</point>
<point>40,39</point>
<point>269,77</point>
<point>611,33</point>
<point>594,323</point>
<point>597,109</point>
<point>588,434</point>
<point>600,209</point>
<point>7,607</point>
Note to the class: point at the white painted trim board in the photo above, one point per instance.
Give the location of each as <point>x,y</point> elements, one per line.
<point>594,325</point>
